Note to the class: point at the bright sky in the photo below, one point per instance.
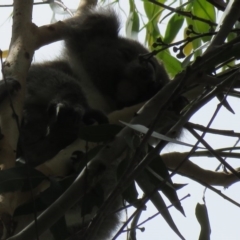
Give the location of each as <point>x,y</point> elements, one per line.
<point>223,215</point>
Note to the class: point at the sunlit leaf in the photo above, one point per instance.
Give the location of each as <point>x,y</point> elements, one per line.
<point>197,42</point>
<point>206,11</point>
<point>189,47</point>
<point>173,27</point>
<point>172,65</point>
<point>143,129</point>
<point>152,9</point>
<point>132,23</point>
<point>153,13</point>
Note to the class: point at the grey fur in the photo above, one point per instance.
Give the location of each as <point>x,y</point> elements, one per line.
<point>101,70</point>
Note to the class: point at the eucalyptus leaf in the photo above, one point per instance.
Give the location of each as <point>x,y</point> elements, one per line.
<point>202,217</point>
<point>158,202</point>
<point>132,23</point>
<point>173,27</point>
<point>143,129</point>
<point>205,10</point>
<point>159,176</point>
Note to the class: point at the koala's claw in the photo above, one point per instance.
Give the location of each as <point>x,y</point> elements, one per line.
<point>63,114</point>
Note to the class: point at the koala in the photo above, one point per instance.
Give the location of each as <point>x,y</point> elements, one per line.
<point>112,64</point>
<point>98,72</point>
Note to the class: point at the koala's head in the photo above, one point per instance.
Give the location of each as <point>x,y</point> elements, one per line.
<point>141,76</point>
<point>116,65</point>
<point>122,71</point>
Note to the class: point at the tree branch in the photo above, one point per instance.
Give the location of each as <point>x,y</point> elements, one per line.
<point>191,170</point>
<point>232,14</point>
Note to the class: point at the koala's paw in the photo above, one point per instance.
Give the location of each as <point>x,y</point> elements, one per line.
<point>10,86</point>
<point>64,115</point>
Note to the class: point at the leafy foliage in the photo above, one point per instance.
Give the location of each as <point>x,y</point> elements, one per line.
<point>198,38</point>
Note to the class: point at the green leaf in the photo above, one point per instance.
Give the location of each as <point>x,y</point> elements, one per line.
<point>172,65</point>
<point>132,23</point>
<point>202,217</point>
<point>153,13</point>
<point>197,42</point>
<point>173,27</point>
<point>151,9</point>
<point>204,10</point>
<point>99,133</point>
